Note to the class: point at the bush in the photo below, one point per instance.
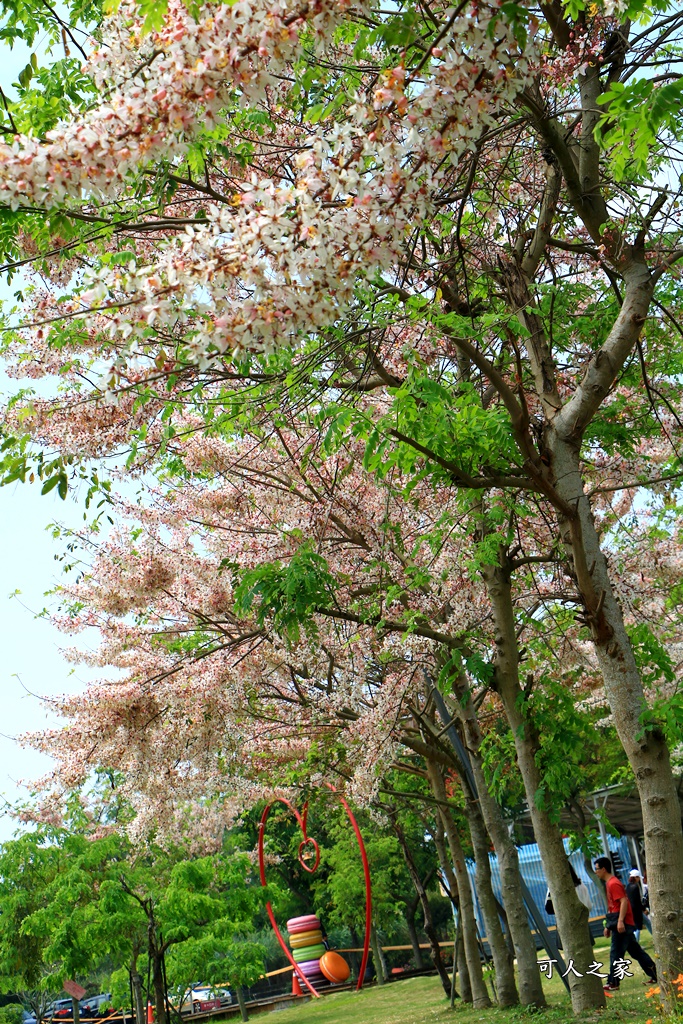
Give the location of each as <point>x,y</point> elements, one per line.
<point>13,1013</point>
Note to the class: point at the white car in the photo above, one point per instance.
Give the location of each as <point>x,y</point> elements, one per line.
<point>201,994</point>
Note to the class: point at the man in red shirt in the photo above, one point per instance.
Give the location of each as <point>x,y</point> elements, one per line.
<point>621,926</point>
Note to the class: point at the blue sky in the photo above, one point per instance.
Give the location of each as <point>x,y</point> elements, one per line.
<point>30,659</point>
<point>29,646</point>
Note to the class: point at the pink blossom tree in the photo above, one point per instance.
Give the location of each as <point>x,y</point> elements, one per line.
<point>424,226</point>
<point>275,602</point>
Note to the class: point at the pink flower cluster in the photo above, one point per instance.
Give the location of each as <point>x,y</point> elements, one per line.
<point>281,260</point>
<point>157,90</point>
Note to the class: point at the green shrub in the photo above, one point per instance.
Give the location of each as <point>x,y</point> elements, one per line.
<point>11,1014</point>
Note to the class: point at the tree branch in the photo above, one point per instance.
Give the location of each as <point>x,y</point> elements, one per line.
<point>633,484</point>
<point>459,476</point>
<point>603,369</point>
<point>391,626</point>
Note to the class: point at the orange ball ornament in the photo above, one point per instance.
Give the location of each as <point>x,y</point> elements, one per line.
<point>334,967</point>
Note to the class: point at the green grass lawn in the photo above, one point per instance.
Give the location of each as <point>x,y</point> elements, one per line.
<point>421,1001</point>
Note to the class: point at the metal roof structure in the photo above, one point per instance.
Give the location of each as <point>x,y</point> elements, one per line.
<point>621,805</point>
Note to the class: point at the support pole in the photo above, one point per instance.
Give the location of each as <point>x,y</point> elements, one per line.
<point>601,827</point>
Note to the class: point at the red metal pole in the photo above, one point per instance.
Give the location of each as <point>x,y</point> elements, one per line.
<point>368,887</point>
<point>302,820</point>
<point>262,874</point>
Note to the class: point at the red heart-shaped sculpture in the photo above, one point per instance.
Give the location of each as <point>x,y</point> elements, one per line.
<point>309,842</point>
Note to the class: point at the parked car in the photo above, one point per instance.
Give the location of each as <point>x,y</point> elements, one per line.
<point>202,994</point>
<point>59,1009</point>
<point>92,1005</point>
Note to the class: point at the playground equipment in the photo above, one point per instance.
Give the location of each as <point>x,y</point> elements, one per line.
<point>305,933</point>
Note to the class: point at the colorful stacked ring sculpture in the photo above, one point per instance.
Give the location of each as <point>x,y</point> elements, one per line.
<point>306,939</point>
<point>308,956</point>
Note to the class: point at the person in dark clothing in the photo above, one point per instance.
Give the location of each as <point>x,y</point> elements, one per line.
<point>635,898</point>
<point>621,926</point>
<point>641,880</point>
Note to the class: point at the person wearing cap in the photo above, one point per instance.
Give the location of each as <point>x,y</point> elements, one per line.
<point>635,898</point>
<point>635,877</point>
<point>619,924</point>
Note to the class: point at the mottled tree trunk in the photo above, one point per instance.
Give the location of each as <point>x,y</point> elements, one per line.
<point>506,988</point>
<point>159,989</point>
<point>136,986</point>
<point>461,960</point>
<point>571,915</point>
<point>480,996</point>
<point>429,929</point>
<point>411,907</point>
<point>566,424</point>
<point>530,986</point>
<point>646,748</point>
<point>377,956</point>
<point>450,882</point>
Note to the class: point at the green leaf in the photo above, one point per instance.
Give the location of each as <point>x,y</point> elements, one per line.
<point>50,484</point>
<point>286,596</point>
<point>25,76</point>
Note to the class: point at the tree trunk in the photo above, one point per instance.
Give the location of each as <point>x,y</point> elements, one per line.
<point>159,990</point>
<point>411,907</point>
<point>506,989</point>
<point>136,985</point>
<point>429,929</point>
<point>461,961</point>
<point>239,991</point>
<point>377,956</point>
<point>646,748</point>
<point>450,882</point>
<point>571,915</point>
<point>530,985</point>
<point>480,996</point>
<point>566,423</point>
<point>356,942</point>
<point>76,1010</point>
<point>383,960</point>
